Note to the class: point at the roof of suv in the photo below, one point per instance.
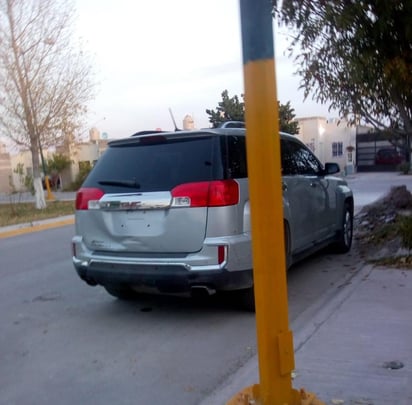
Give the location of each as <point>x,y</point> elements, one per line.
<point>147,135</point>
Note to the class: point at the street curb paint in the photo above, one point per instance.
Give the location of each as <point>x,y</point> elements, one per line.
<point>35,228</point>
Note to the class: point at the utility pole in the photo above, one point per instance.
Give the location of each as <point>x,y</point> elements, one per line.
<point>275,340</point>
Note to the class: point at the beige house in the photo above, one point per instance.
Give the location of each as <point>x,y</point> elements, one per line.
<point>332,140</point>
<point>23,158</point>
<point>84,154</point>
<point>9,179</point>
<point>5,169</point>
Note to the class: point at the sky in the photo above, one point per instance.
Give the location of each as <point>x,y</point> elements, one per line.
<point>152,56</point>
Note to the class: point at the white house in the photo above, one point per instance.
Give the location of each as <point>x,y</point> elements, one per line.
<point>332,140</point>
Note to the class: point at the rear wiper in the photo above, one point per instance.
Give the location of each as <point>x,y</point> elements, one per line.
<point>121,183</point>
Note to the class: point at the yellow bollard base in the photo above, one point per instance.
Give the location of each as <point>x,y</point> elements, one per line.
<point>245,397</point>
<point>308,398</point>
<point>50,197</point>
<point>249,396</point>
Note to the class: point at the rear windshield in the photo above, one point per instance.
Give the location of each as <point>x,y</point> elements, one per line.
<point>157,166</point>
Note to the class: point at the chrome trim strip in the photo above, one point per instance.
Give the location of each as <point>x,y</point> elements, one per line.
<point>135,201</point>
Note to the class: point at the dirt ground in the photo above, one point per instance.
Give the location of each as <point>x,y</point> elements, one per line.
<point>383,230</point>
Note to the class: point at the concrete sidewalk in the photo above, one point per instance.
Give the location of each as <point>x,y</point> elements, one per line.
<point>354,347</point>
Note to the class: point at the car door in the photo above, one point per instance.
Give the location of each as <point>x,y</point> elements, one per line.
<point>306,195</point>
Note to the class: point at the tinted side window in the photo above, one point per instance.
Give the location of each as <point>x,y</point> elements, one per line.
<point>234,156</point>
<point>298,159</point>
<point>288,162</point>
<point>158,166</point>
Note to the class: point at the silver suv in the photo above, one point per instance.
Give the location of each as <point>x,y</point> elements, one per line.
<point>170,212</point>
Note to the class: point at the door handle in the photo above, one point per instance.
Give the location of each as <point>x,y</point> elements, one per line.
<point>284,186</point>
<point>313,184</point>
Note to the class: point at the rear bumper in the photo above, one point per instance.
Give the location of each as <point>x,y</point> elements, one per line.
<point>164,278</point>
<point>174,273</point>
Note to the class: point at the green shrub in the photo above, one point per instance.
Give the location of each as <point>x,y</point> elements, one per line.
<point>81,176</point>
<point>405,167</point>
<point>25,181</point>
<point>405,231</point>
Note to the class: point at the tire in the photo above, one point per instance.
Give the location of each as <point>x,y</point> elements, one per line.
<point>246,299</point>
<point>246,296</point>
<point>345,234</point>
<point>288,256</point>
<point>122,292</point>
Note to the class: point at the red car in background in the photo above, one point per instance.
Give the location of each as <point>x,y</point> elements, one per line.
<point>389,156</point>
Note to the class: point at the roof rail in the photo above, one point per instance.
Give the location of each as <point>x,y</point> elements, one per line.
<point>232,124</point>
<point>154,131</point>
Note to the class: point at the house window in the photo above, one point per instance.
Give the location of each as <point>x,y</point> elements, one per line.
<point>337,149</point>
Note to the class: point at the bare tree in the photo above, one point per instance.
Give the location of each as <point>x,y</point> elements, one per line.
<point>45,81</point>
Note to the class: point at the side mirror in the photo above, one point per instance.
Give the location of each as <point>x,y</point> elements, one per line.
<point>331,168</point>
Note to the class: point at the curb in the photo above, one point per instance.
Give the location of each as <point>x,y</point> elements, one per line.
<point>21,229</point>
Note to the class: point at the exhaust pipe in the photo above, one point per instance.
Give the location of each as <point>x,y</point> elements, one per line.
<point>201,291</point>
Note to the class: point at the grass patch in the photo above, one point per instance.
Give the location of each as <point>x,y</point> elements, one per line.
<point>19,213</point>
<point>399,262</point>
<point>384,233</point>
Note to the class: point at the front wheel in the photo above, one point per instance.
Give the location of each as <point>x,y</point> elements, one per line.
<point>344,241</point>
<point>288,254</point>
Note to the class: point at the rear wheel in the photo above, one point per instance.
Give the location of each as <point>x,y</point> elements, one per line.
<point>344,241</point>
<point>246,298</point>
<point>122,292</point>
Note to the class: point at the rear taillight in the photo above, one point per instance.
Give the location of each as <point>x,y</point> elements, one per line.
<point>221,253</point>
<point>206,194</point>
<point>87,198</point>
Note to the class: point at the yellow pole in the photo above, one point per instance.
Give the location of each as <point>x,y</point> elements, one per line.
<point>275,342</point>
<point>274,339</point>
<point>50,196</point>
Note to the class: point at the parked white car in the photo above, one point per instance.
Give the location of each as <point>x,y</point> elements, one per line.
<point>170,211</point>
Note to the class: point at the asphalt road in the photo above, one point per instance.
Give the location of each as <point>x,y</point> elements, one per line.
<point>63,342</point>
<point>368,187</point>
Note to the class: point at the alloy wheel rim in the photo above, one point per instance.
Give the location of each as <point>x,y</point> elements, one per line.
<point>347,231</point>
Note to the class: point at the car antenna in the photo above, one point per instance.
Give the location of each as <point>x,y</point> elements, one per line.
<point>173,119</point>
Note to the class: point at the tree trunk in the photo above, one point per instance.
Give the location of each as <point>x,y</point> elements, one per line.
<point>40,201</point>
<point>39,193</point>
